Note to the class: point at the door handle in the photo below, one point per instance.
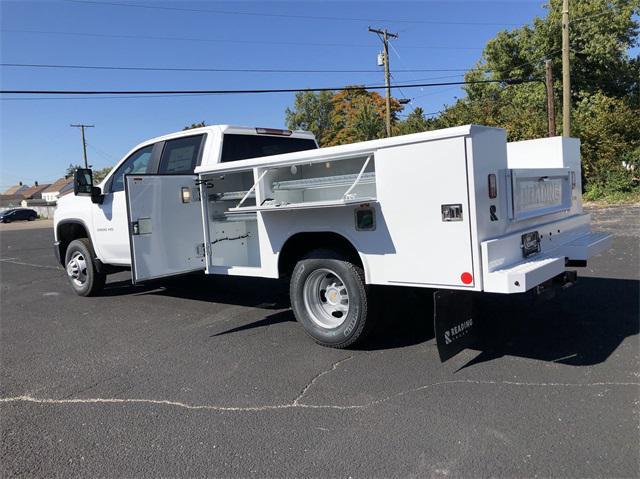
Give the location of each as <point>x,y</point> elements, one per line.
<point>141,227</point>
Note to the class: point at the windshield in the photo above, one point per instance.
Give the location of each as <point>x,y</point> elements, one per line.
<point>240,147</point>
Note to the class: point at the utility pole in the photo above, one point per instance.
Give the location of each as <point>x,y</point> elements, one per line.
<point>551,110</point>
<point>385,35</point>
<point>84,142</point>
<point>566,78</point>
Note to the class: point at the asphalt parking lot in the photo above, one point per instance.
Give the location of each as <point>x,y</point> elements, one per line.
<point>213,377</point>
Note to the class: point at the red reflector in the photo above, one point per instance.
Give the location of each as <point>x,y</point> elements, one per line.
<point>273,131</point>
<point>466,278</point>
<point>493,186</point>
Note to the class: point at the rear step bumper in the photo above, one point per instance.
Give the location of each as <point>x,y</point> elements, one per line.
<point>588,246</point>
<point>524,274</point>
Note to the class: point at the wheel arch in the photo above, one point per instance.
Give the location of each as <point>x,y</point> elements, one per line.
<point>299,244</point>
<point>69,230</point>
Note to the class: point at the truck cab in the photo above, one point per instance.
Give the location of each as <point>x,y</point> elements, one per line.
<point>101,217</point>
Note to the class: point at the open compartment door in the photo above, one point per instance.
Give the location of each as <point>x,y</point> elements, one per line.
<point>165,225</point>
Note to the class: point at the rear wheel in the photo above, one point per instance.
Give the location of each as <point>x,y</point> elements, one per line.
<point>81,271</point>
<point>330,299</point>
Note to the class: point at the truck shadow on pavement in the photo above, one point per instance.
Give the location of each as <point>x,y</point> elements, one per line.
<point>240,291</point>
<point>581,326</point>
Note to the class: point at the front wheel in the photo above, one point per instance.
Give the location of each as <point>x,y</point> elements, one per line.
<point>81,271</point>
<point>330,299</point>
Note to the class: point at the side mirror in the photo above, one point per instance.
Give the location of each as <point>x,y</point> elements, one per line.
<point>83,185</point>
<point>83,182</point>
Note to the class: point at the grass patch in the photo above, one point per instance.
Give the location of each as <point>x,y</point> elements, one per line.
<point>597,195</point>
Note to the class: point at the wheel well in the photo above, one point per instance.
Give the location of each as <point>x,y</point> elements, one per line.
<point>300,244</point>
<point>67,232</point>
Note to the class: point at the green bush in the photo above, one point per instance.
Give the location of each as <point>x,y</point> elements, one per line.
<point>619,179</point>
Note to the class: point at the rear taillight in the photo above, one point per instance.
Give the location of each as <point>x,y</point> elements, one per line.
<point>573,180</point>
<point>493,186</point>
<point>273,131</point>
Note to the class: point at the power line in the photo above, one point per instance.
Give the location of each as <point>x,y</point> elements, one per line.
<point>412,79</point>
<point>184,39</point>
<point>280,15</point>
<point>433,93</point>
<point>263,70</point>
<point>432,113</point>
<point>217,40</point>
<point>531,62</point>
<point>217,70</point>
<point>257,91</point>
<point>123,97</point>
<point>118,97</point>
<point>102,153</point>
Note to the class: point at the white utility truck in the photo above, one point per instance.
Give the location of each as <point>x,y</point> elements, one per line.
<point>457,209</point>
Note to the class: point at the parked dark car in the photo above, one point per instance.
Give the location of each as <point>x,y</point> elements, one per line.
<point>17,214</point>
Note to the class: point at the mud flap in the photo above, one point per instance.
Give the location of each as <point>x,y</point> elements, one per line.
<point>454,322</point>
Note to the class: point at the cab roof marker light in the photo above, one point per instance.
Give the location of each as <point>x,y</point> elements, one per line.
<point>273,131</point>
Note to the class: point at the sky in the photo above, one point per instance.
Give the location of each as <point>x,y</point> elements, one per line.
<point>37,143</point>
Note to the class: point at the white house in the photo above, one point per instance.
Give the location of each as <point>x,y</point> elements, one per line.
<point>52,193</point>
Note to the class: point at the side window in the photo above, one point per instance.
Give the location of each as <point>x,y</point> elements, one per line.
<point>136,163</point>
<point>180,156</point>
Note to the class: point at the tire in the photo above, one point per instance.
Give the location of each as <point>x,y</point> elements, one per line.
<point>330,299</point>
<point>7,220</point>
<point>83,277</point>
<point>31,218</point>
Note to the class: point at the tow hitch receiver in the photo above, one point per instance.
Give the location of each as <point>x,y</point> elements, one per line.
<point>564,280</point>
<point>454,322</point>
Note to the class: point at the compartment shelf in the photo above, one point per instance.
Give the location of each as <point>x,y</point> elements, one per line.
<point>324,182</point>
<point>230,196</point>
<point>237,216</point>
<point>301,206</point>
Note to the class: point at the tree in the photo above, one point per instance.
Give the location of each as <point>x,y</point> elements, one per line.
<point>345,116</point>
<point>311,112</point>
<point>605,82</point>
<point>71,169</point>
<point>100,175</point>
<point>358,115</point>
<point>601,33</point>
<point>195,125</point>
<point>415,122</point>
<point>609,129</point>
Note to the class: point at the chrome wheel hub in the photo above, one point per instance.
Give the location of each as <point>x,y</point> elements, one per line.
<point>77,269</point>
<point>326,298</point>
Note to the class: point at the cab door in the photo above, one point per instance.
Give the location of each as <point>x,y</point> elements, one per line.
<point>165,225</point>
<point>110,228</point>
